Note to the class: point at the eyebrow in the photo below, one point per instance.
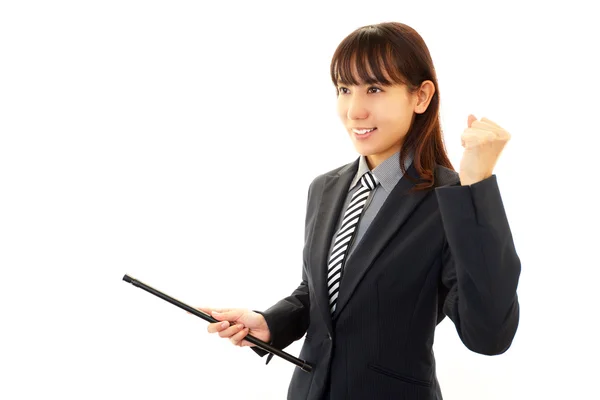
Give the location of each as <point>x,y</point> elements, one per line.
<point>364,83</point>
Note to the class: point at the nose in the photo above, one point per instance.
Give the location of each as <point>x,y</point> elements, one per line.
<point>357,108</point>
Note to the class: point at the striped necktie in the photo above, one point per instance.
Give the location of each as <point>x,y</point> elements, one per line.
<point>343,238</point>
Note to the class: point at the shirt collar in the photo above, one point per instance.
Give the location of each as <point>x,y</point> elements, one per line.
<point>388,173</point>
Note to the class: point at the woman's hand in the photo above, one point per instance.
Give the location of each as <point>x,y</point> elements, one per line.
<point>244,322</point>
<point>483,142</point>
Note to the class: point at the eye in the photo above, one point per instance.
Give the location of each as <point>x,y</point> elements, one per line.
<point>372,89</point>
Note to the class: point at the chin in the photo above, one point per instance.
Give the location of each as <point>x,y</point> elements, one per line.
<point>365,151</point>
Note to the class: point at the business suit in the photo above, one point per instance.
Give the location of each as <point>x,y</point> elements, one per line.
<point>448,251</point>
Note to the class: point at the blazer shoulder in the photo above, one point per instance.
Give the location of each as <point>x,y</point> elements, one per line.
<point>336,172</point>
<point>443,176</point>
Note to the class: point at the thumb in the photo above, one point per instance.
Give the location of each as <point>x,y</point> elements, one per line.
<point>226,314</point>
<point>470,120</point>
<point>205,310</point>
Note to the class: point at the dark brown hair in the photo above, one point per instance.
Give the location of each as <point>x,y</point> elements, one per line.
<point>396,51</point>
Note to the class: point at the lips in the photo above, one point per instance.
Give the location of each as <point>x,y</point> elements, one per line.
<point>359,135</point>
<point>362,131</point>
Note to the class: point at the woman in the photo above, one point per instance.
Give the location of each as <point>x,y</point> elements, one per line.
<point>394,241</point>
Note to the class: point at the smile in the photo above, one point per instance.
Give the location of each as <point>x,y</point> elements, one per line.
<point>363,134</point>
<point>363,131</point>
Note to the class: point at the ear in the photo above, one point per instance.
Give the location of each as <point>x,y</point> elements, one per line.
<point>423,96</point>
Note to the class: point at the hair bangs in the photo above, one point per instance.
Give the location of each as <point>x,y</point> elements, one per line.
<point>365,58</point>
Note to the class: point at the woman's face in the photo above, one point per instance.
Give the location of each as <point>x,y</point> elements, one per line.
<point>386,111</point>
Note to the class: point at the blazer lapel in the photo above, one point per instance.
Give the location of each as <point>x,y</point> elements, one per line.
<point>335,190</point>
<point>393,213</point>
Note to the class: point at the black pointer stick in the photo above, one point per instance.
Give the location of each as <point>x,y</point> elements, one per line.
<point>259,343</point>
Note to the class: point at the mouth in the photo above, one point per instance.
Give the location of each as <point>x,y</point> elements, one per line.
<point>362,134</point>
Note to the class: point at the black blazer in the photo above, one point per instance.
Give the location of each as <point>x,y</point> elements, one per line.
<point>448,251</point>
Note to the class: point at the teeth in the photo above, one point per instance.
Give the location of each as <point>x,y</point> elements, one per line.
<point>362,131</point>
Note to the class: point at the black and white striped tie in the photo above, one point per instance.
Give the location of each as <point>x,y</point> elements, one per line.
<point>344,236</point>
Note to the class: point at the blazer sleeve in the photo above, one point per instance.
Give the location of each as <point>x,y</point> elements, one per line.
<point>289,318</point>
<point>481,268</point>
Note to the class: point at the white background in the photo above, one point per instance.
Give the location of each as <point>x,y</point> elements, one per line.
<point>175,141</point>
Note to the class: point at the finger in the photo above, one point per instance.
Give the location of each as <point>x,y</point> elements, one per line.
<point>485,127</point>
<point>472,132</point>
<point>218,316</point>
<point>210,310</point>
<point>226,314</point>
<point>484,119</point>
<point>232,330</point>
<point>470,120</point>
<point>237,338</point>
<point>217,326</point>
<point>246,343</point>
<point>473,137</point>
<point>499,132</point>
<point>205,310</point>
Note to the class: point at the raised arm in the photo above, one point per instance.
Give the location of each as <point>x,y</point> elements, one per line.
<point>480,266</point>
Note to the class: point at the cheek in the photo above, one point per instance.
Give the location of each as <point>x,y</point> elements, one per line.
<point>342,111</point>
<point>398,115</point>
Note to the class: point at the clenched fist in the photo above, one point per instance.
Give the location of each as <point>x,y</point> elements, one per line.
<point>483,142</point>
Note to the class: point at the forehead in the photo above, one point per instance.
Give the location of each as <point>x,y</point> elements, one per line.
<point>364,75</point>
<point>360,68</point>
